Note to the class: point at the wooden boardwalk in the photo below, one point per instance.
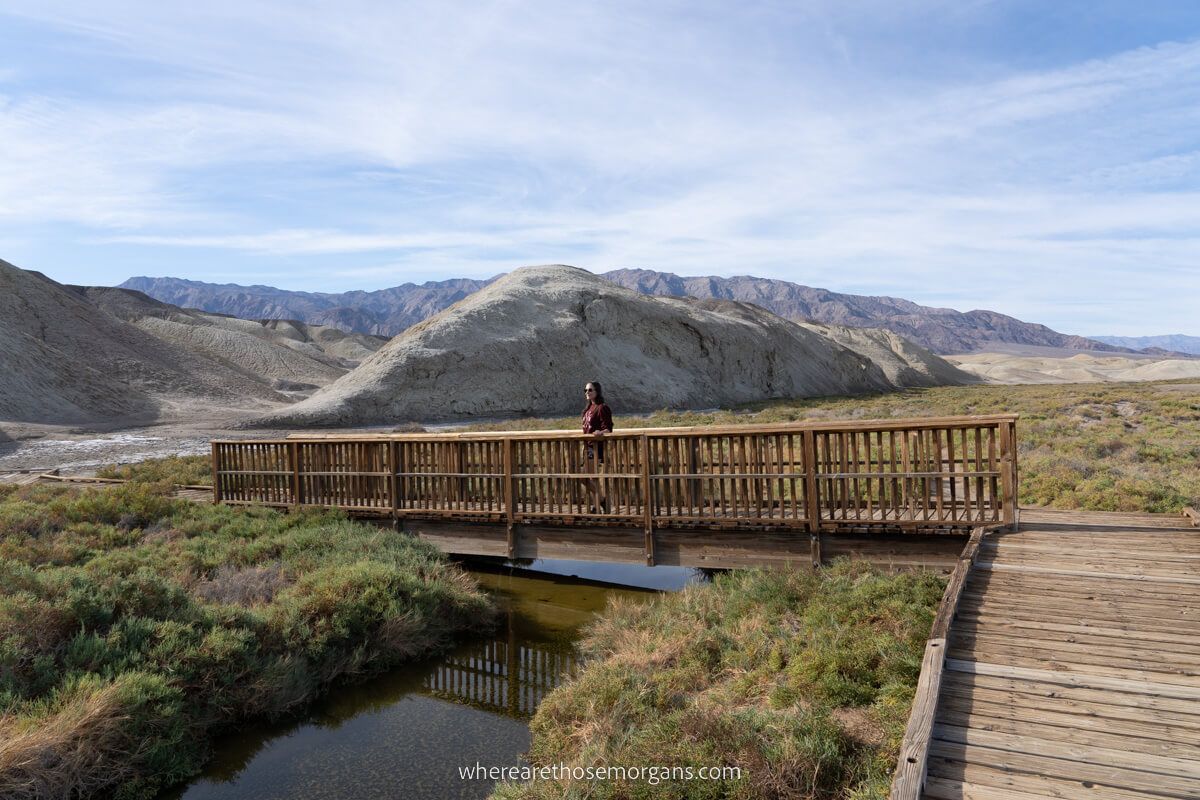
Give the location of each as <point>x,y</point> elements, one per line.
<point>195,494</point>
<point>1071,666</point>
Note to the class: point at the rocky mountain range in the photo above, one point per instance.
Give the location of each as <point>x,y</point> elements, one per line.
<point>388,312</point>
<point>1170,343</point>
<point>942,330</point>
<point>385,312</point>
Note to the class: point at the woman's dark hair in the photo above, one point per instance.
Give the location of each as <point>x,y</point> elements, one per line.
<point>599,398</point>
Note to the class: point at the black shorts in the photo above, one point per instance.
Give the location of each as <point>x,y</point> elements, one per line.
<point>594,450</point>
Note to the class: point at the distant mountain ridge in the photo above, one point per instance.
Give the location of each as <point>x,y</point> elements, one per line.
<point>942,330</point>
<point>1176,342</point>
<point>388,312</point>
<point>385,312</point>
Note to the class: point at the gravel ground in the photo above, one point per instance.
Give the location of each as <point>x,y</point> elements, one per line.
<point>81,450</point>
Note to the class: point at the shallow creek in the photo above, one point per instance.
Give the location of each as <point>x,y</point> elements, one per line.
<point>405,734</point>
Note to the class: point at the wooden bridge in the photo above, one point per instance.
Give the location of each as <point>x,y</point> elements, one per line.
<point>706,496</point>
<point>1064,660</point>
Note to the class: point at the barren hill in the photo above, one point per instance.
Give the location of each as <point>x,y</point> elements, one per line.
<point>66,360</point>
<point>283,352</point>
<point>1079,368</point>
<point>905,364</point>
<point>528,343</point>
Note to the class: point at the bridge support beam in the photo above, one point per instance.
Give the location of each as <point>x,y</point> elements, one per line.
<point>710,549</point>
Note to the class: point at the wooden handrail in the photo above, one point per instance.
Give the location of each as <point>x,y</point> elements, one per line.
<point>814,475</point>
<point>909,779</point>
<point>914,423</point>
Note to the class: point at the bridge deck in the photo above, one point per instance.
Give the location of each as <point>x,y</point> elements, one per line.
<point>1072,665</point>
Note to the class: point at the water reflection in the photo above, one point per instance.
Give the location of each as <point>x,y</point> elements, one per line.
<point>406,733</point>
<point>501,676</point>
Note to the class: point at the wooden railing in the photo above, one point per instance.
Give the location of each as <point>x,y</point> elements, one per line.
<point>958,472</point>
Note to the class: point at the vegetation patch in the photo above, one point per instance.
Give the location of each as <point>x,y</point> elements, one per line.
<point>802,680</point>
<point>178,470</point>
<point>1098,447</point>
<point>134,626</point>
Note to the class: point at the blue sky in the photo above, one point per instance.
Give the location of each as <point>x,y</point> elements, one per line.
<point>1037,158</point>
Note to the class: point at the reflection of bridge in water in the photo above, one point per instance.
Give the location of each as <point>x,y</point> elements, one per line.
<point>505,676</point>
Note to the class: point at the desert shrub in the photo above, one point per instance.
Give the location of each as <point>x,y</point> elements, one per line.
<point>802,679</point>
<point>133,626</point>
<point>177,470</point>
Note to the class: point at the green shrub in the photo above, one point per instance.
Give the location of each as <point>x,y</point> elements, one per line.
<point>804,680</point>
<point>133,625</point>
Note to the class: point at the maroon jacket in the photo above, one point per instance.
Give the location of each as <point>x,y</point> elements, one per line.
<point>597,417</point>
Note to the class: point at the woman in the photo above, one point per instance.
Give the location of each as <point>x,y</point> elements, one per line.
<point>597,421</point>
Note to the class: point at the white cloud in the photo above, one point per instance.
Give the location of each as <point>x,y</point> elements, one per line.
<point>475,137</point>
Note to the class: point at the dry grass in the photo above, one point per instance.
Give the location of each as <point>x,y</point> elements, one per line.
<point>243,586</point>
<point>802,680</point>
<point>83,741</point>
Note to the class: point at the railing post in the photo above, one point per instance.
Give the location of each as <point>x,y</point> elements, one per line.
<point>812,502</point>
<point>393,482</point>
<point>1016,476</point>
<point>216,474</point>
<point>294,457</point>
<point>647,509</point>
<point>509,498</point>
<point>1008,468</point>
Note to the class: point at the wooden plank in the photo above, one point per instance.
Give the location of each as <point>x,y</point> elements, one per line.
<point>1074,665</point>
<point>1051,634</point>
<point>1021,692</point>
<point>1001,772</point>
<point>1088,573</point>
<point>1129,633</point>
<point>945,789</point>
<point>1053,605</point>
<point>971,611</point>
<point>1076,750</point>
<point>1124,564</point>
<point>1092,681</point>
<point>1155,659</point>
<point>1166,550</point>
<point>1098,731</point>
<point>1088,598</point>
<point>1057,762</point>
<point>1025,585</point>
<point>909,777</point>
